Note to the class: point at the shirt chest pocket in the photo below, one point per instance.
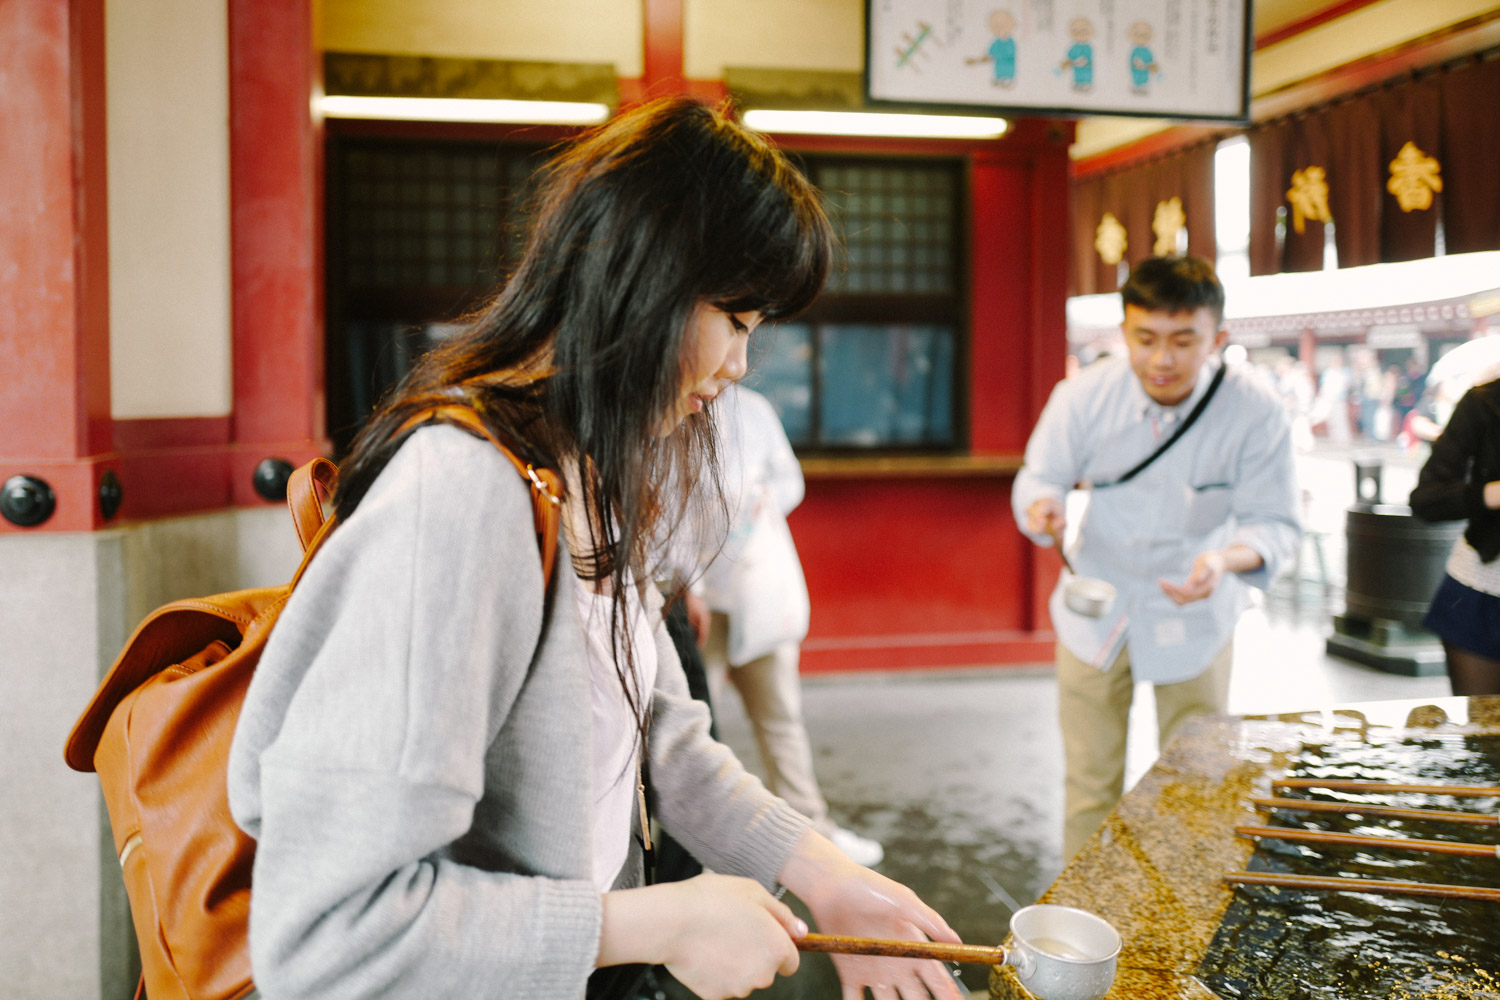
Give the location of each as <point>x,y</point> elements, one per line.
<point>1208,507</point>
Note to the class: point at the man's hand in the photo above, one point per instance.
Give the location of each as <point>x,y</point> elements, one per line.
<point>1045,517</point>
<point>1208,569</point>
<point>699,616</point>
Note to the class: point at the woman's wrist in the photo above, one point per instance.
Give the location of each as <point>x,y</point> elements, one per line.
<point>635,924</point>
<point>1492,495</point>
<point>812,866</point>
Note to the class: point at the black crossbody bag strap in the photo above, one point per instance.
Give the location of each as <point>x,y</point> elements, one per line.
<point>1182,429</point>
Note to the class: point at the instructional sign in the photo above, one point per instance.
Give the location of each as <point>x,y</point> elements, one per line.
<point>1182,59</point>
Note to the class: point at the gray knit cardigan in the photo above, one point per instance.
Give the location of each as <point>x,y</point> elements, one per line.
<point>414,755</point>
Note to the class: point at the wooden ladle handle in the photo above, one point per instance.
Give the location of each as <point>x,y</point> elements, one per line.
<point>1058,542</point>
<point>844,945</point>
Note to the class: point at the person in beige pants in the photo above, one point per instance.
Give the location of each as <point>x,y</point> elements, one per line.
<point>1187,464</point>
<point>759,468</point>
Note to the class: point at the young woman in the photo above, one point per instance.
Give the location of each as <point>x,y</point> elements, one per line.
<point>1461,481</point>
<point>438,757</point>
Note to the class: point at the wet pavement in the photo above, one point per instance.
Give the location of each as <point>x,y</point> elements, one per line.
<point>958,774</point>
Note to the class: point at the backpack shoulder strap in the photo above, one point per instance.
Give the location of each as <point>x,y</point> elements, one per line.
<point>306,490</point>
<point>546,484</point>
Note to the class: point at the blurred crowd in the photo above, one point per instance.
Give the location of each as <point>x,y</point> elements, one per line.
<point>1354,396</point>
<point>1351,395</point>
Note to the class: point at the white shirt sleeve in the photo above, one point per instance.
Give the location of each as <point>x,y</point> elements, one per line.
<point>1053,461</point>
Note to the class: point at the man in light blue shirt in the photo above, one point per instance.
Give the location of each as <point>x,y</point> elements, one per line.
<point>1181,540</point>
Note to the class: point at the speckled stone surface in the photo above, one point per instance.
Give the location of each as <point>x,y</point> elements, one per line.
<point>1154,870</point>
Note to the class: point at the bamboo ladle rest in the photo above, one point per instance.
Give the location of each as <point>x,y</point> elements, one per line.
<point>1491,851</point>
<point>1372,809</point>
<point>1348,785</point>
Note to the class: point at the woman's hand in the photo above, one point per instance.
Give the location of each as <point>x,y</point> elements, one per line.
<point>718,935</point>
<point>846,898</point>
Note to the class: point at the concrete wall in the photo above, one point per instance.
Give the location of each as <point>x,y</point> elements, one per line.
<point>67,604</point>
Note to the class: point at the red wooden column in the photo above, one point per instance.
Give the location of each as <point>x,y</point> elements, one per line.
<point>662,66</point>
<point>54,254</point>
<point>276,229</point>
<point>1020,232</point>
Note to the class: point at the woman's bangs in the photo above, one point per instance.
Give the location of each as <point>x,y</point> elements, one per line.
<point>784,272</point>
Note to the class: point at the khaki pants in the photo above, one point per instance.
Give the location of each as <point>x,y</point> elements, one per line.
<point>1094,709</point>
<point>771,689</point>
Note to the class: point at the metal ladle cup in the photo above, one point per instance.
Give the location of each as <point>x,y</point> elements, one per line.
<point>1057,952</point>
<point>1086,595</point>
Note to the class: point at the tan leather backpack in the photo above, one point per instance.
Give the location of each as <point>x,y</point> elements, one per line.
<point>158,733</point>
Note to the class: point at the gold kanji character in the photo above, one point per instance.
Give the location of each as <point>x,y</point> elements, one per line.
<point>1167,224</point>
<point>1414,177</point>
<point>1309,197</point>
<point>1109,240</point>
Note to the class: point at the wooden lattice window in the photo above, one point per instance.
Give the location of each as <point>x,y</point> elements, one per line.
<point>419,231</point>
<point>898,223</point>
<point>874,363</point>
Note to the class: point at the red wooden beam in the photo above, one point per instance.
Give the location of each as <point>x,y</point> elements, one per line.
<point>663,63</point>
<point>275,194</point>
<point>1309,21</point>
<point>54,239</point>
<point>54,233</point>
<point>91,404</point>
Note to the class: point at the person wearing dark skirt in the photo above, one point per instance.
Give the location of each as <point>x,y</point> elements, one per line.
<point>1461,481</point>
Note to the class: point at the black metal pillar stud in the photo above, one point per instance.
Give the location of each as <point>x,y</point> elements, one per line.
<point>27,501</point>
<point>111,494</point>
<point>270,478</point>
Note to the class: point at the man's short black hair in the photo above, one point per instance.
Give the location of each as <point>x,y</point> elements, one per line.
<point>1175,284</point>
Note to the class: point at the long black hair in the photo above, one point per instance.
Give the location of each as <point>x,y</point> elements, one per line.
<point>578,358</point>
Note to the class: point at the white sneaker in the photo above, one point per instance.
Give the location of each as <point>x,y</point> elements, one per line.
<point>861,850</point>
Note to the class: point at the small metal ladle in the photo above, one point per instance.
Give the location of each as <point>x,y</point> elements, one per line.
<point>1085,595</point>
<point>1058,952</point>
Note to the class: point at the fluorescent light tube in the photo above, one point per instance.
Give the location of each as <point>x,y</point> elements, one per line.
<point>870,123</point>
<point>454,109</point>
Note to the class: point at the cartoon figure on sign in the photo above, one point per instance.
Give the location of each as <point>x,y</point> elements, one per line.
<point>1080,58</point>
<point>1002,51</point>
<point>1142,63</point>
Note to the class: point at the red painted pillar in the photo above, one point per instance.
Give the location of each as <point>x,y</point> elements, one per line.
<point>662,67</point>
<point>276,230</point>
<point>54,254</point>
<point>1019,235</point>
